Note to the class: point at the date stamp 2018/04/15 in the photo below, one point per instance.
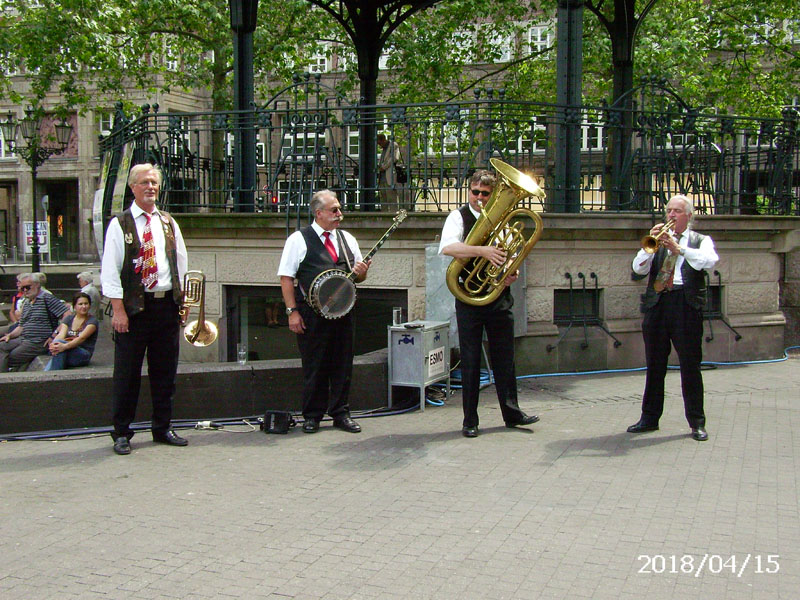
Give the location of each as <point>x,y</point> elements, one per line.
<point>689,564</point>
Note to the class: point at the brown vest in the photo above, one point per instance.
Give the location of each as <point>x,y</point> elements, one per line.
<point>132,288</point>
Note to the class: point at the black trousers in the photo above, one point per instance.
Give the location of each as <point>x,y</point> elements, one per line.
<point>672,320</point>
<point>326,349</point>
<point>498,322</point>
<point>155,331</point>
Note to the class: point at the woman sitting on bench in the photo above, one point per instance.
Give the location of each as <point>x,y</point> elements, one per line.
<point>76,337</point>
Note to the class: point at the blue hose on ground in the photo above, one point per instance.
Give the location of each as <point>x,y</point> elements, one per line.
<point>455,375</point>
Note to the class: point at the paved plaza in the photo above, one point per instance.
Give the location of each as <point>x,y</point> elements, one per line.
<point>572,507</point>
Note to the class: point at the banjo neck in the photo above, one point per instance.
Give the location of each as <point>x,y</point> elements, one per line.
<point>398,218</point>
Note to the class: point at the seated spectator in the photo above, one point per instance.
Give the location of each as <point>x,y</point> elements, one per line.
<point>40,315</point>
<point>76,337</point>
<point>86,281</point>
<point>16,305</point>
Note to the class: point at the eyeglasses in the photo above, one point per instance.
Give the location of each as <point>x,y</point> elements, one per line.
<point>25,288</point>
<point>335,210</point>
<point>477,192</point>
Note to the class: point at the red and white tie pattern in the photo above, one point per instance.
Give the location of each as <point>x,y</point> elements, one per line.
<point>329,246</point>
<point>146,261</point>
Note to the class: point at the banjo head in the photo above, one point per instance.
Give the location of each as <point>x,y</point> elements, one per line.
<point>332,294</point>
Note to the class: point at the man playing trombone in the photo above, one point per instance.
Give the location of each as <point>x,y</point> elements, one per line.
<point>673,313</point>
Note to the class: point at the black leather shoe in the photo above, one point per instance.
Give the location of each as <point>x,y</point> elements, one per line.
<point>122,446</point>
<point>700,434</point>
<point>347,424</point>
<point>469,431</point>
<point>171,438</point>
<point>526,420</point>
<point>310,426</point>
<point>641,427</point>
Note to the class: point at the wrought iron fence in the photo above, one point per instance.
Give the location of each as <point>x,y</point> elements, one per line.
<point>633,156</point>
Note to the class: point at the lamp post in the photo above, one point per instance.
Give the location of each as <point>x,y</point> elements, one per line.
<point>35,154</point>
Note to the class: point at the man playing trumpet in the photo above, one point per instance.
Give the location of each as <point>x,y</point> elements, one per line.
<point>673,314</point>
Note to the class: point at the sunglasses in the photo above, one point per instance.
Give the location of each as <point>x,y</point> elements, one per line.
<point>25,288</point>
<point>477,192</point>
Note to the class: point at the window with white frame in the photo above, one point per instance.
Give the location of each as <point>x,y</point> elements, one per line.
<point>105,123</point>
<point>319,63</point>
<point>353,142</point>
<point>5,151</point>
<point>533,139</point>
<point>303,146</point>
<point>540,37</point>
<point>171,59</point>
<point>591,136</point>
<point>503,43</point>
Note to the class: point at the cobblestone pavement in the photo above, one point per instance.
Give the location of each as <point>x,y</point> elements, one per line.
<point>572,507</point>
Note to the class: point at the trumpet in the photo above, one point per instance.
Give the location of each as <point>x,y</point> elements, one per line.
<point>200,332</point>
<point>650,243</point>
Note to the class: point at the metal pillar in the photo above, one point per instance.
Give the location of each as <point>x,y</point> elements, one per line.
<point>566,195</point>
<point>243,23</point>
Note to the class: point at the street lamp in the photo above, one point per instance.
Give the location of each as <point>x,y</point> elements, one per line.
<point>35,154</point>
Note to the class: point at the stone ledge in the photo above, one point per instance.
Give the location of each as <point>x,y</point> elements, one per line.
<point>76,398</point>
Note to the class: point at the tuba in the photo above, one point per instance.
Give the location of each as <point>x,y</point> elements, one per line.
<point>477,281</point>
<point>200,333</point>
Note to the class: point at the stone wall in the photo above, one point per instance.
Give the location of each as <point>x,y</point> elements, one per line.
<point>759,271</point>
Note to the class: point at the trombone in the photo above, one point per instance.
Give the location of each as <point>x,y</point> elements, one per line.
<point>650,243</point>
<point>200,332</point>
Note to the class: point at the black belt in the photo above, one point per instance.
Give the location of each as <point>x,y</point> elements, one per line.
<point>674,288</point>
<point>158,295</point>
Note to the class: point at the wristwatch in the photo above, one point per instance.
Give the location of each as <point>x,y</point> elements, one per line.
<point>290,309</point>
<point>682,251</point>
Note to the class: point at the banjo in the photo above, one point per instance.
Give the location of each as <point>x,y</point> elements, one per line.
<point>333,292</point>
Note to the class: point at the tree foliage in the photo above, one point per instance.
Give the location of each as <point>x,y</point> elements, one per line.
<point>729,55</point>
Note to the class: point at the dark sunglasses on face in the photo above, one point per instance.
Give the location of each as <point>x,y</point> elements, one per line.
<point>25,288</point>
<point>477,192</point>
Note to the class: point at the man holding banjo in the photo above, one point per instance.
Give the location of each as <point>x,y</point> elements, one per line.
<point>324,337</point>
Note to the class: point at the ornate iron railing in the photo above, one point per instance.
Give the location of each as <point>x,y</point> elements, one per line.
<point>633,157</point>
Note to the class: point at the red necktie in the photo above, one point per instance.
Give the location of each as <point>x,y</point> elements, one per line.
<point>146,261</point>
<point>329,246</point>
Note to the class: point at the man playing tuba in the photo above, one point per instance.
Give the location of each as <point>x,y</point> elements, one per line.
<point>495,318</point>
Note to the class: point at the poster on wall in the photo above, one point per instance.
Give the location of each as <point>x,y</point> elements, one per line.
<point>118,197</point>
<point>42,233</point>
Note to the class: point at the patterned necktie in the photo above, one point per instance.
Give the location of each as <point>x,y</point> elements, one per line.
<point>329,246</point>
<point>666,273</point>
<point>146,261</point>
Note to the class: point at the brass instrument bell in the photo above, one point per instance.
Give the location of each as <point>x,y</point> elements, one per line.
<point>200,332</point>
<point>650,243</point>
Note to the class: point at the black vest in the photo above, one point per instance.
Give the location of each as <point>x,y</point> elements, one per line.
<point>132,288</point>
<point>318,260</point>
<point>694,282</point>
<point>469,222</point>
<point>505,300</point>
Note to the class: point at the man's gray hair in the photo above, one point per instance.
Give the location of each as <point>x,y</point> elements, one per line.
<point>318,199</point>
<point>133,175</point>
<point>39,278</point>
<point>87,276</point>
<point>687,203</point>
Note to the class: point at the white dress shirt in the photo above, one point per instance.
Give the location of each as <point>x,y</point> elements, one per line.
<point>114,253</point>
<point>453,230</point>
<point>294,252</point>
<point>704,257</point>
